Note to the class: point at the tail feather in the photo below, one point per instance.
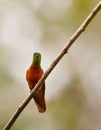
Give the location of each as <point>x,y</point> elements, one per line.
<point>40,102</point>
<point>39,99</point>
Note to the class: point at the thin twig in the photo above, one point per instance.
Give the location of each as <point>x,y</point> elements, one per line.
<point>48,71</point>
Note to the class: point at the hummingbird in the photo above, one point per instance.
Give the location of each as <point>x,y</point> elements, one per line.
<point>33,75</point>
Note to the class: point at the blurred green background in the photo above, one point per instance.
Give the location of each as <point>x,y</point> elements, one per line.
<point>73,89</point>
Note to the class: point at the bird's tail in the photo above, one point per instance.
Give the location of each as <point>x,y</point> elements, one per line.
<point>39,99</point>
<point>41,104</point>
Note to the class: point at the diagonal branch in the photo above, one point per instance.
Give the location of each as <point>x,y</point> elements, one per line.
<point>55,62</point>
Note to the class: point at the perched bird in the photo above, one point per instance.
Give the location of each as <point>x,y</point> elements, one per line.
<point>33,74</point>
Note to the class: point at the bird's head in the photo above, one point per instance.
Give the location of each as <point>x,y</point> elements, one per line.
<point>36,59</point>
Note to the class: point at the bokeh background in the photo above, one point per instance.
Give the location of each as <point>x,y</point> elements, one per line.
<point>73,89</point>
